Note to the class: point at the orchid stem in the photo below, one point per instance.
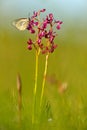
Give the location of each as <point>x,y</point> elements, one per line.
<point>43,82</point>
<point>35,87</point>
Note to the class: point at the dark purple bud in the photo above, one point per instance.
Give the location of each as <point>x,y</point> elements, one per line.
<point>29,47</point>
<point>39,41</point>
<point>35,23</point>
<point>46,35</point>
<point>61,22</point>
<point>51,16</point>
<point>41,34</point>
<point>51,50</point>
<point>44,51</point>
<point>58,24</point>
<point>32,22</point>
<point>35,14</point>
<point>29,27</point>
<point>44,24</point>
<point>32,31</point>
<point>29,42</point>
<point>47,48</point>
<point>55,46</point>
<point>41,46</point>
<point>48,20</point>
<point>51,38</point>
<point>43,10</point>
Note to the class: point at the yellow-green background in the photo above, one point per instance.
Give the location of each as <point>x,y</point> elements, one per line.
<point>68,63</point>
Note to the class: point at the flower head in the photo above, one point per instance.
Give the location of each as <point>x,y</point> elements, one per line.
<point>43,30</point>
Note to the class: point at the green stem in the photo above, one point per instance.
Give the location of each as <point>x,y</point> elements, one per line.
<point>44,79</point>
<point>35,87</point>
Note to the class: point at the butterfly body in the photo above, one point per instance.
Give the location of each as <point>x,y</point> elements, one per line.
<point>21,23</point>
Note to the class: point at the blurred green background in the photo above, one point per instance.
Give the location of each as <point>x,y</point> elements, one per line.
<point>68,63</point>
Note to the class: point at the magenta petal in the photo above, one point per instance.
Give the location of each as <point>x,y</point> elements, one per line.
<point>58,26</point>
<point>29,47</point>
<point>36,23</point>
<point>39,41</point>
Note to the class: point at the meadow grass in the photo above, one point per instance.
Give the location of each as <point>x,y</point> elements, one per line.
<point>62,110</point>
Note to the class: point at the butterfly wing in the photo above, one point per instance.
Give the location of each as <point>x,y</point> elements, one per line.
<point>21,24</point>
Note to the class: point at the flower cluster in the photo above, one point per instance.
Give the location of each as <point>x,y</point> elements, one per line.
<point>43,30</point>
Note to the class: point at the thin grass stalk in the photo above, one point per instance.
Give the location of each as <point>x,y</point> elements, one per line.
<point>43,82</point>
<point>35,87</point>
<point>19,88</point>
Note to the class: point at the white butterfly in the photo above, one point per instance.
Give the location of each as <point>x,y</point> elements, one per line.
<point>21,23</point>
